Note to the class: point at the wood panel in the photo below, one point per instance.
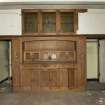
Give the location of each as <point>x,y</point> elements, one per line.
<point>16,60</point>
<point>26,79</point>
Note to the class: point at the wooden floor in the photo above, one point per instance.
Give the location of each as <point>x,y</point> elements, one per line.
<point>54,98</point>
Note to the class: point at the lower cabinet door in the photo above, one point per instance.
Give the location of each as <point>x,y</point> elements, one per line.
<point>25,80</point>
<point>35,82</point>
<point>63,78</point>
<point>44,79</point>
<point>54,79</point>
<point>58,79</point>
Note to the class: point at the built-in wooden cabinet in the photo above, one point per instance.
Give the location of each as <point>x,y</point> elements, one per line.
<point>50,22</point>
<point>49,63</point>
<point>47,56</point>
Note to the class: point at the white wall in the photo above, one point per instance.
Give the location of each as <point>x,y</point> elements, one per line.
<point>92,22</point>
<point>10,22</point>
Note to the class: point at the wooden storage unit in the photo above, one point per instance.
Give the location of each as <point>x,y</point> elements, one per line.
<point>48,63</point>
<point>47,56</point>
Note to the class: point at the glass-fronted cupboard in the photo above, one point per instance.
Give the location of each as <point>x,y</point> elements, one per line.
<point>53,22</point>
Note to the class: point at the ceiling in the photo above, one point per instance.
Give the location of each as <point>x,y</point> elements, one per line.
<point>53,4</point>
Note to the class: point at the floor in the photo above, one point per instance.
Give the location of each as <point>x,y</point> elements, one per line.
<point>94,95</point>
<point>95,85</point>
<point>54,98</point>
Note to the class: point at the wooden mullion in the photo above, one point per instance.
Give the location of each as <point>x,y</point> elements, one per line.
<point>75,25</point>
<point>58,22</point>
<point>23,24</point>
<point>40,23</point>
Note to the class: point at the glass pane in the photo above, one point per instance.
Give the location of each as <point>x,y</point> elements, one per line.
<point>67,22</point>
<point>30,22</point>
<point>49,22</point>
<point>67,27</point>
<point>49,27</point>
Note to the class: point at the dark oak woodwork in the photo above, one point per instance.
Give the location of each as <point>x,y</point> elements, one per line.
<point>48,63</point>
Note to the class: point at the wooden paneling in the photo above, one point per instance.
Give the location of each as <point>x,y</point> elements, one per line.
<point>49,44</point>
<point>16,60</point>
<point>49,63</point>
